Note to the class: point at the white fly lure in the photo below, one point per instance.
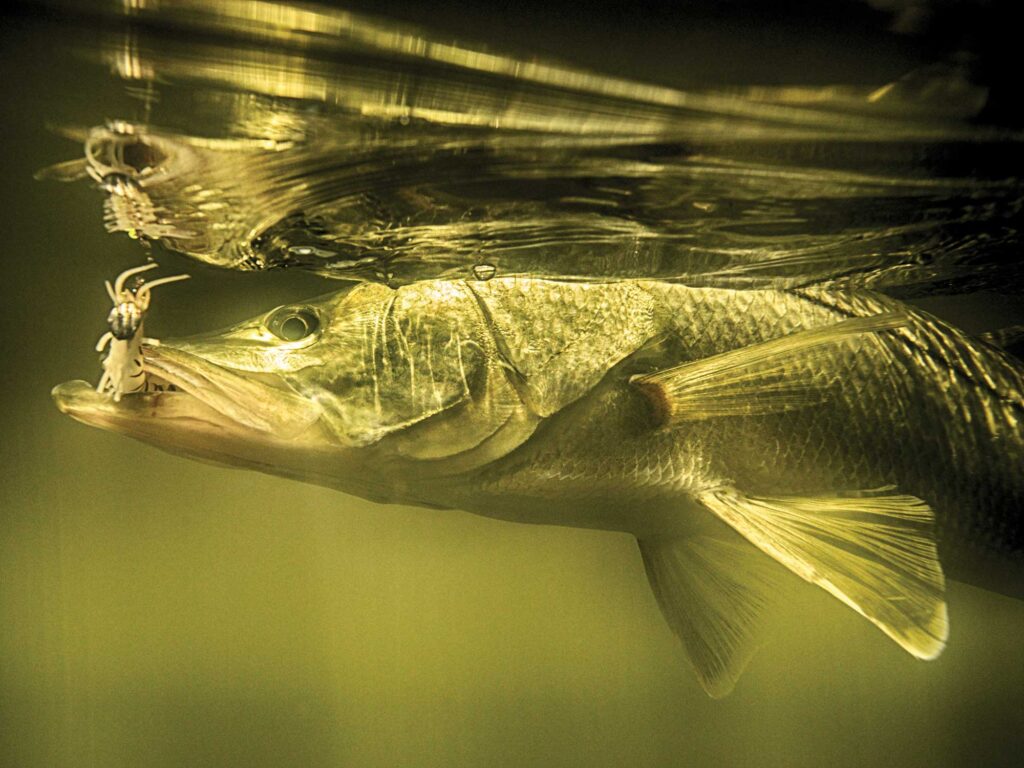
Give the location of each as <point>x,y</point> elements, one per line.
<point>122,367</point>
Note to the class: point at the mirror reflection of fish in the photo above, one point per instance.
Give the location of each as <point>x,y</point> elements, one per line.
<point>401,204</point>
<point>868,448</point>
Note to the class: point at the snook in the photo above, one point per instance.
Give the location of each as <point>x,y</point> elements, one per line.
<point>864,446</point>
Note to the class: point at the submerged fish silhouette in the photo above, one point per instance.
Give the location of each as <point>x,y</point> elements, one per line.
<point>865,446</point>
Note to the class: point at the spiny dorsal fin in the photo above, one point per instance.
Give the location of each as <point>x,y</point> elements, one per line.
<point>944,90</point>
<point>712,593</point>
<point>760,378</point>
<point>875,552</point>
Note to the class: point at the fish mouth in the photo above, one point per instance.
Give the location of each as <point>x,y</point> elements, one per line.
<point>197,397</point>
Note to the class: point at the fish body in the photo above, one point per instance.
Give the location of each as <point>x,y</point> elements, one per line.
<point>865,446</point>
<point>922,408</point>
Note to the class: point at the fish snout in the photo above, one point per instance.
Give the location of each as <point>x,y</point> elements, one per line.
<point>263,402</point>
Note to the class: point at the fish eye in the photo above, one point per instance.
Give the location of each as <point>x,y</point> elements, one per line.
<point>293,323</point>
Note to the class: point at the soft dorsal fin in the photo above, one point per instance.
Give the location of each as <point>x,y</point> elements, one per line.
<point>713,594</point>
<point>756,379</point>
<point>874,551</point>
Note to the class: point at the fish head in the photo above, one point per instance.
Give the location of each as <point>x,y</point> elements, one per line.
<point>364,389</point>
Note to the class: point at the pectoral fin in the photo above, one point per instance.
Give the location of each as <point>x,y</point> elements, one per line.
<point>769,377</point>
<point>876,553</point>
<point>712,594</point>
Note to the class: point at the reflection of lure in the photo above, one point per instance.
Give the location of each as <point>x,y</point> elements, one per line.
<point>122,367</point>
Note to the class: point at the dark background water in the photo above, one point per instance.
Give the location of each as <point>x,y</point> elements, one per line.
<point>160,612</point>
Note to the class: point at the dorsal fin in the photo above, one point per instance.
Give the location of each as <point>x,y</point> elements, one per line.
<point>944,90</point>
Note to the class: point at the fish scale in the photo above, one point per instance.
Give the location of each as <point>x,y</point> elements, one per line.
<point>903,411</point>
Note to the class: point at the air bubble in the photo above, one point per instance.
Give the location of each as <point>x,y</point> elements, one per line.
<point>484,271</point>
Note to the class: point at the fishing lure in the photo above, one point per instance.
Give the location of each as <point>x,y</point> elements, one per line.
<point>122,367</point>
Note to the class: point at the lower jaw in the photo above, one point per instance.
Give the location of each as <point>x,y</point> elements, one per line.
<point>172,421</point>
<point>180,424</point>
<point>161,406</point>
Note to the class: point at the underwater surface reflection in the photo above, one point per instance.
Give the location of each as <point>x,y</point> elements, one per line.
<point>159,611</point>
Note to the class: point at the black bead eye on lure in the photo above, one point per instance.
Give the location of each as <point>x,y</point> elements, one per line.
<point>122,367</point>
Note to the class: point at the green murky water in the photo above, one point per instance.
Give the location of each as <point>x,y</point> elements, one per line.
<point>160,612</point>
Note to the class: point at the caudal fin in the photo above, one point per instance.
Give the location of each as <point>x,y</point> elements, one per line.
<point>875,552</point>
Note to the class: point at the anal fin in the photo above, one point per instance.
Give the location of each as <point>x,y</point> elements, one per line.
<point>712,593</point>
<point>876,552</point>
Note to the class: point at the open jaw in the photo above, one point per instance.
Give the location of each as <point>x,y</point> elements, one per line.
<point>205,408</point>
